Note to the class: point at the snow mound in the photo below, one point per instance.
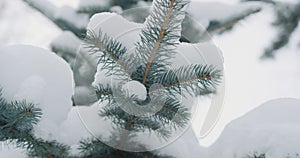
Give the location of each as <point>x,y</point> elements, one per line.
<point>186,145</point>
<point>41,77</point>
<point>272,129</point>
<point>82,122</point>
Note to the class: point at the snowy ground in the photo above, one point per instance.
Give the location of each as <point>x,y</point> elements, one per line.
<point>249,81</point>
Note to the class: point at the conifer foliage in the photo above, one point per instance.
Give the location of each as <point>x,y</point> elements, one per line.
<point>150,65</point>
<point>17,119</point>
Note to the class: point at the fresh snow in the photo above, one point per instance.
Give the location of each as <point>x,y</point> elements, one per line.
<point>82,122</point>
<point>135,89</point>
<point>273,129</point>
<point>41,77</point>
<point>101,77</point>
<point>116,9</point>
<point>186,145</point>
<point>10,150</point>
<point>31,89</point>
<point>117,27</point>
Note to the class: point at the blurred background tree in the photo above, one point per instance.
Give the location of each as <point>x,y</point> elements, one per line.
<point>286,22</point>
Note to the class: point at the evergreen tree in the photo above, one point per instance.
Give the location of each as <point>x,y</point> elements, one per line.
<point>150,66</point>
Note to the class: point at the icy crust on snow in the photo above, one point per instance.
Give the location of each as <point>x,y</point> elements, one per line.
<point>272,129</point>
<point>38,76</point>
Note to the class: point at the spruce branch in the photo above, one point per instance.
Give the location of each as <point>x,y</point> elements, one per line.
<point>94,148</point>
<point>17,118</point>
<point>132,123</point>
<point>23,112</point>
<point>172,113</point>
<point>160,36</point>
<point>38,147</point>
<point>167,113</point>
<point>104,93</point>
<point>111,52</point>
<point>195,79</point>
